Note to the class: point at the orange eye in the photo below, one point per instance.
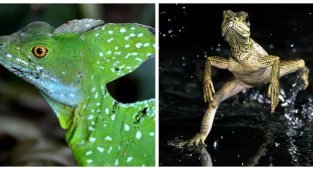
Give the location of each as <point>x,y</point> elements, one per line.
<point>40,51</point>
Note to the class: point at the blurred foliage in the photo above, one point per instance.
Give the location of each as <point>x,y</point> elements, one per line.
<point>29,131</point>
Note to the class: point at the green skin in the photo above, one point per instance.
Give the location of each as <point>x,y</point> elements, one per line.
<point>82,57</point>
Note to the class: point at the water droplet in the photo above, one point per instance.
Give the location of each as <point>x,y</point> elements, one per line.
<point>276,144</point>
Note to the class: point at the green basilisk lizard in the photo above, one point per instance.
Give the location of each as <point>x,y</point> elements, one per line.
<point>250,65</point>
<point>71,65</point>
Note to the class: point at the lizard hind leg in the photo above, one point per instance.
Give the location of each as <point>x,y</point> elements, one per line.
<point>229,89</point>
<point>287,67</point>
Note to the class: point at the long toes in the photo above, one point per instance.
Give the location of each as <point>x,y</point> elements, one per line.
<point>306,84</point>
<point>197,142</point>
<point>181,144</point>
<point>202,143</point>
<point>190,143</point>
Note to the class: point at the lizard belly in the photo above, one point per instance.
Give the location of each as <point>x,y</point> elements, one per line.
<point>254,78</point>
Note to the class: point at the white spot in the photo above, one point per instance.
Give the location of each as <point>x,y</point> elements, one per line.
<point>151,134</point>
<point>129,159</point>
<point>9,55</point>
<point>98,103</point>
<point>116,162</point>
<point>100,149</point>
<point>116,48</point>
<point>87,25</point>
<point>138,59</point>
<point>140,35</point>
<point>111,39</point>
<point>132,35</point>
<point>38,68</point>
<point>92,139</point>
<point>113,117</point>
<point>127,46</point>
<point>134,53</point>
<point>97,34</point>
<point>109,52</point>
<point>100,54</point>
<point>126,38</point>
<point>89,161</point>
<point>89,153</point>
<point>138,45</point>
<point>21,61</point>
<point>107,110</point>
<point>90,117</point>
<point>102,28</point>
<point>122,30</point>
<point>96,95</point>
<point>146,44</point>
<point>132,28</point>
<point>93,89</point>
<point>126,127</point>
<point>22,34</point>
<point>108,138</point>
<point>110,32</point>
<point>110,149</point>
<point>138,135</point>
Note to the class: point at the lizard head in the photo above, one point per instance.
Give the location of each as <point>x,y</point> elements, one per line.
<point>45,59</point>
<point>63,62</point>
<point>235,25</point>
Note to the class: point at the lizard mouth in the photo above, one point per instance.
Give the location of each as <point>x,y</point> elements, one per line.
<point>240,28</point>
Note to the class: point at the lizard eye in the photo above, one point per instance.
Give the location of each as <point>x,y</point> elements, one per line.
<point>40,51</point>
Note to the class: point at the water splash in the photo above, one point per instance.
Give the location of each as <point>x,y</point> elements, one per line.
<point>296,118</point>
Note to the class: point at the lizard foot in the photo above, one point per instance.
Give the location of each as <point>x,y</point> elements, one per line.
<point>305,77</point>
<point>208,91</point>
<point>197,140</point>
<point>273,93</point>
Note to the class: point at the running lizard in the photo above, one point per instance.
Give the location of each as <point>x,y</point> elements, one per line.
<point>250,65</point>
<point>71,65</point>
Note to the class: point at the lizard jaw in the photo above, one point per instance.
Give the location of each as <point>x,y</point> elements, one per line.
<point>241,29</point>
<point>38,77</point>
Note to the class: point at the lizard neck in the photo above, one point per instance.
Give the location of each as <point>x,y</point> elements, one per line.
<point>239,47</point>
<point>102,127</point>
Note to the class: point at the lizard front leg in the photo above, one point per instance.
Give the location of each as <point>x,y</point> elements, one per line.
<point>228,89</point>
<point>273,90</point>
<point>208,88</point>
<point>287,67</point>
